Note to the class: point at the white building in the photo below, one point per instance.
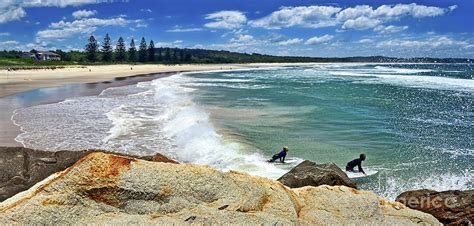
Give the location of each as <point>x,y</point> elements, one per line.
<point>47,56</point>
<point>42,55</point>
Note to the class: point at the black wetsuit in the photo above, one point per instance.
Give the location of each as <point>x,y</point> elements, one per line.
<point>356,162</point>
<point>280,156</point>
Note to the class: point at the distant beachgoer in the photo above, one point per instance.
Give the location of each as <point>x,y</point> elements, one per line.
<point>356,162</point>
<point>281,155</point>
<point>131,68</point>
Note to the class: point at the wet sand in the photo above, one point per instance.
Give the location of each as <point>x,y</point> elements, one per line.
<point>8,131</point>
<point>12,82</point>
<point>26,88</point>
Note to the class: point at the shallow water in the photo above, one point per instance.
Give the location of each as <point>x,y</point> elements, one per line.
<point>414,122</point>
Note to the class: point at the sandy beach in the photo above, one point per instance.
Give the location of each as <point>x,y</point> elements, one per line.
<point>12,82</point>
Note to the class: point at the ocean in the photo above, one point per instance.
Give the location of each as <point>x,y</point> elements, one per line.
<point>413,121</point>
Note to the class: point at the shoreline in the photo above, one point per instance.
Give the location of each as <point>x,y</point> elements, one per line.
<point>45,86</point>
<point>14,82</point>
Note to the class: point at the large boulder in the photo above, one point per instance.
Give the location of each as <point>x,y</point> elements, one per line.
<point>449,207</point>
<point>21,168</point>
<point>105,188</point>
<point>309,173</point>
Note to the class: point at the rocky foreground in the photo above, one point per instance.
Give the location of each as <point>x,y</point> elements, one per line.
<point>108,188</point>
<point>449,207</point>
<point>21,168</point>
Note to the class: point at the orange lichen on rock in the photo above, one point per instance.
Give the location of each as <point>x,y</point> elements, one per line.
<point>108,195</point>
<point>111,167</point>
<point>47,202</point>
<point>161,158</point>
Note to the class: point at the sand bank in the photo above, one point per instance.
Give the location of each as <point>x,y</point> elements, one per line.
<point>12,82</point>
<point>19,89</point>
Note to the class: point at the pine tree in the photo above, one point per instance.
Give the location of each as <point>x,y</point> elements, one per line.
<point>175,55</point>
<point>167,57</point>
<point>151,51</point>
<point>107,49</point>
<point>160,57</point>
<point>120,50</point>
<point>132,52</point>
<point>142,55</point>
<point>181,55</point>
<point>187,57</point>
<point>91,49</point>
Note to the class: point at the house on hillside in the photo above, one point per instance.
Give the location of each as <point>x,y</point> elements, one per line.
<point>47,56</point>
<point>42,55</point>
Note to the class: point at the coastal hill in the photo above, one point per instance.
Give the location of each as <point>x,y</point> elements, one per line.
<point>203,56</point>
<point>108,188</point>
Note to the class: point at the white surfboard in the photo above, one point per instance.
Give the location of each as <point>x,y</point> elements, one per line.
<point>356,174</point>
<point>288,161</point>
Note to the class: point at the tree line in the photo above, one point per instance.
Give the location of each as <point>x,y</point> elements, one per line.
<point>145,53</point>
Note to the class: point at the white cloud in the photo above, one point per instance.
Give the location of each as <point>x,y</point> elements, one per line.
<point>179,29</point>
<point>304,16</point>
<point>389,29</point>
<point>365,41</point>
<point>57,3</point>
<point>139,23</point>
<point>364,17</point>
<point>247,39</point>
<point>318,40</point>
<point>91,22</point>
<point>360,17</point>
<point>174,44</point>
<point>11,10</point>
<point>11,14</point>
<point>353,13</point>
<point>292,41</point>
<point>4,33</point>
<point>439,42</point>
<point>361,23</point>
<point>62,29</point>
<point>146,10</point>
<point>84,13</point>
<point>226,20</point>
<point>414,10</point>
<point>9,43</point>
<point>452,8</point>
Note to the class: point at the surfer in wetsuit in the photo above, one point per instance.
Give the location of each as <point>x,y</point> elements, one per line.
<point>356,162</point>
<point>281,155</point>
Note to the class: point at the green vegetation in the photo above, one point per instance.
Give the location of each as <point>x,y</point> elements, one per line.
<point>151,55</point>
<point>107,50</point>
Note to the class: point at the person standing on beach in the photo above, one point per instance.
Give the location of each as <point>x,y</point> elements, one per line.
<point>280,155</point>
<point>356,162</point>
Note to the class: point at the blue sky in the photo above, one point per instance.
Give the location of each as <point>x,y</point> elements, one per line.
<point>441,28</point>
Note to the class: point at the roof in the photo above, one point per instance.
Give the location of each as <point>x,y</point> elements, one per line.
<point>48,53</point>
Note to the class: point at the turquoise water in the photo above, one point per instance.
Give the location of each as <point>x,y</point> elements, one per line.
<point>413,121</point>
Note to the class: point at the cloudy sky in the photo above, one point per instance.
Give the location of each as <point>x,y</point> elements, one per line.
<point>436,28</point>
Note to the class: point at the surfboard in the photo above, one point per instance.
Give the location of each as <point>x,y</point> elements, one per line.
<point>287,161</point>
<point>356,174</point>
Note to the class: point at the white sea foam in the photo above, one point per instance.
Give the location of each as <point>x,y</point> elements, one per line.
<point>401,70</point>
<point>162,116</point>
<point>432,82</point>
<point>230,85</point>
<point>416,81</point>
<point>195,138</point>
<point>390,187</point>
